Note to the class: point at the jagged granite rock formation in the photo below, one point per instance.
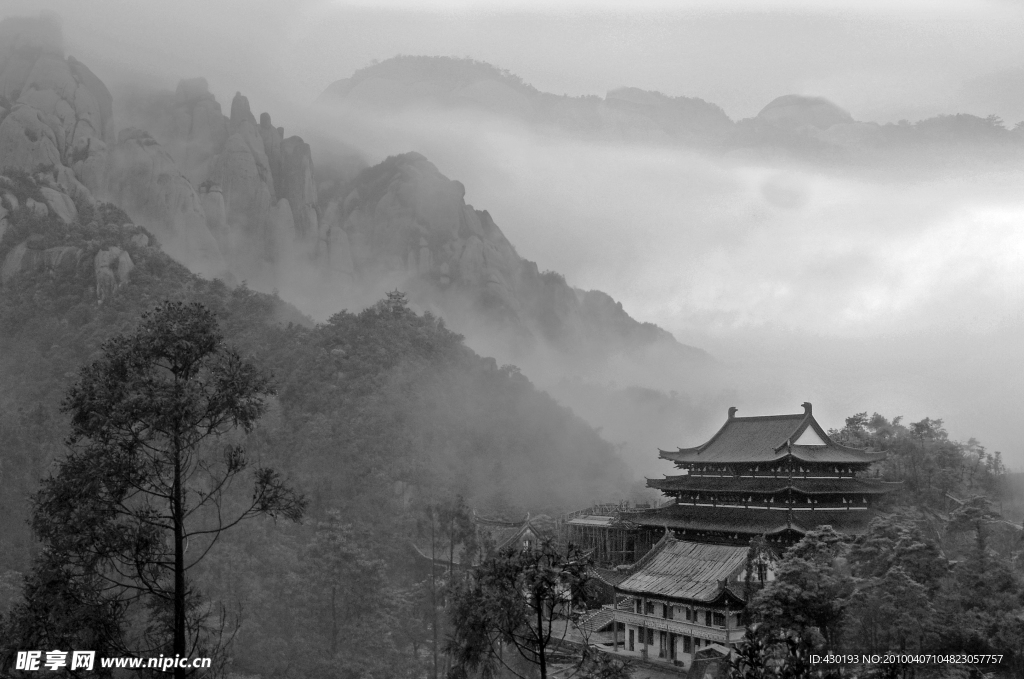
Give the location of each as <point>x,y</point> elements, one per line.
<point>242,171</point>
<point>191,127</point>
<point>55,112</point>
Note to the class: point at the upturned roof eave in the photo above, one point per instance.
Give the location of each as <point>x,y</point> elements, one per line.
<point>719,596</point>
<point>684,456</point>
<point>795,453</point>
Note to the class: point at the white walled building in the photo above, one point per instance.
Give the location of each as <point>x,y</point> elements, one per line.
<point>680,598</point>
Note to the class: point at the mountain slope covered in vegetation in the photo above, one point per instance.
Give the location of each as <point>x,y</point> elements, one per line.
<point>377,414</point>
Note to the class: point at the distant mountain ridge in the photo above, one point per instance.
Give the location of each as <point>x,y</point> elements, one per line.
<point>453,82</point>
<point>801,126</point>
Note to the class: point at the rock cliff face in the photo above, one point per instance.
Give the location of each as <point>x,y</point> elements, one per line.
<point>255,187</point>
<point>53,111</point>
<point>191,127</point>
<point>147,184</point>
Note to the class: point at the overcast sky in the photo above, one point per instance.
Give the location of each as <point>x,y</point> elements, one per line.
<point>860,293</point>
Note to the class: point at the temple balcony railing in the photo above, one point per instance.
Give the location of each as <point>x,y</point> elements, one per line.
<point>715,634</point>
<point>778,506</point>
<point>780,475</point>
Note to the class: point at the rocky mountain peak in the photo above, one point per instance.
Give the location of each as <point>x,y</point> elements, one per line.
<point>192,90</point>
<point>240,111</point>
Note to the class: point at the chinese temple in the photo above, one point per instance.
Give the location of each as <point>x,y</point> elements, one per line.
<point>756,487</point>
<point>777,476</point>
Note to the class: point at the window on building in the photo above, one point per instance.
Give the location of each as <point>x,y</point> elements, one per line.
<point>719,619</point>
<point>649,608</point>
<point>762,572</point>
<point>669,611</point>
<point>631,640</point>
<point>650,636</point>
<point>707,618</point>
<point>639,606</point>
<point>686,644</point>
<point>689,613</point>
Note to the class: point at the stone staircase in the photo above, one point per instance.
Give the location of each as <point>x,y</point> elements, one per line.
<point>596,620</point>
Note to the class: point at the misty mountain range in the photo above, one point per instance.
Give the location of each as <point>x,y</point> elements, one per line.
<point>237,198</point>
<point>226,191</point>
<point>794,126</point>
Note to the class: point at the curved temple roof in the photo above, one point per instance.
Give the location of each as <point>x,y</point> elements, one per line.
<point>744,440</point>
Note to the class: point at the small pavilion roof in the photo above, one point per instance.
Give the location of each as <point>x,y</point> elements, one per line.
<point>768,438</point>
<point>771,486</point>
<point>755,521</point>
<point>686,570</point>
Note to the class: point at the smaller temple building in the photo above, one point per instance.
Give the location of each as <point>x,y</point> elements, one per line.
<point>680,598</point>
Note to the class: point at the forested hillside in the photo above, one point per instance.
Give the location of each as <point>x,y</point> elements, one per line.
<point>377,415</point>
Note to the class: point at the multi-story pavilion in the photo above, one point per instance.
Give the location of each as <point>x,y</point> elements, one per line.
<point>777,475</point>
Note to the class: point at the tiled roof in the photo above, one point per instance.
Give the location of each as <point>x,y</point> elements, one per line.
<point>686,570</point>
<point>610,576</point>
<point>591,520</point>
<point>754,521</point>
<point>769,438</point>
<point>769,485</point>
<point>541,526</point>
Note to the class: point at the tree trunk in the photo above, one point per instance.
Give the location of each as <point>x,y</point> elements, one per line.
<point>433,588</point>
<point>178,521</point>
<point>334,620</point>
<point>540,640</point>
